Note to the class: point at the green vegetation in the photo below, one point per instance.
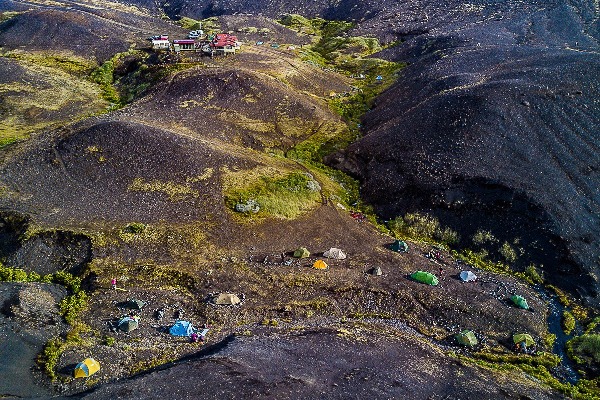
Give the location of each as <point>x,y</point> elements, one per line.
<point>189,23</point>
<point>537,368</point>
<point>103,76</point>
<point>61,82</point>
<point>285,197</point>
<point>423,227</point>
<point>175,191</point>
<point>508,252</point>
<point>568,322</point>
<point>70,308</point>
<point>532,273</point>
<point>585,349</point>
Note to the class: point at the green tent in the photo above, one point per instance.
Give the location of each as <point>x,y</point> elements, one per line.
<point>466,338</point>
<point>399,246</point>
<point>523,337</point>
<point>520,301</point>
<point>425,277</point>
<point>302,252</point>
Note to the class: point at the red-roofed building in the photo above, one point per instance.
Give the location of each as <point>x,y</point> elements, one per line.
<point>223,42</point>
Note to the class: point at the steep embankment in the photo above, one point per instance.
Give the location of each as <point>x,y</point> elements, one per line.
<point>492,127</point>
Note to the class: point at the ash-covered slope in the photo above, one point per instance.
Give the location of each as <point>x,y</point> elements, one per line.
<point>326,366</point>
<point>494,125</point>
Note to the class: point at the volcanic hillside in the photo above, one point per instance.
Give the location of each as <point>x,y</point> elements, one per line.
<point>191,176</point>
<point>510,146</point>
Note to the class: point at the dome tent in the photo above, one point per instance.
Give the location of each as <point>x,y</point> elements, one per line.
<point>520,301</point>
<point>301,252</point>
<point>335,253</point>
<point>226,299</point>
<point>86,368</point>
<point>128,324</point>
<point>425,277</point>
<point>466,338</point>
<point>182,328</point>
<point>320,264</point>
<point>399,246</point>
<point>467,276</point>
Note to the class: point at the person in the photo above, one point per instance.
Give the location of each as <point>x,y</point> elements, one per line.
<point>194,337</point>
<point>113,283</point>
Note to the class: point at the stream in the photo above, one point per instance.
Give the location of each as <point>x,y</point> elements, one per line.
<point>566,370</point>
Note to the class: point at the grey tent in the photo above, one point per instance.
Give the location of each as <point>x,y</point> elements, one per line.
<point>135,304</point>
<point>128,324</point>
<point>226,299</point>
<point>335,253</point>
<point>467,276</point>
<point>302,252</point>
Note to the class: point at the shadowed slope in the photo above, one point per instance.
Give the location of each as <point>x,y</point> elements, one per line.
<point>496,132</point>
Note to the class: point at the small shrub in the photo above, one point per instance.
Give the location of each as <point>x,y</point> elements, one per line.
<point>49,356</point>
<point>549,340</point>
<point>568,322</point>
<point>508,252</point>
<point>585,348</point>
<point>532,273</point>
<point>135,228</point>
<point>109,341</point>
<point>422,227</point>
<point>481,237</point>
<point>72,305</point>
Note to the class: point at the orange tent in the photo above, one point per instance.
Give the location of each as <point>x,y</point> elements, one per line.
<point>320,264</point>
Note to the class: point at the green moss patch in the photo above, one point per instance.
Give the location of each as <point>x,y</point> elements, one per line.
<point>283,197</point>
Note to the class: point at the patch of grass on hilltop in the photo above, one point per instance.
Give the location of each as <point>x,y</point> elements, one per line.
<point>274,196</point>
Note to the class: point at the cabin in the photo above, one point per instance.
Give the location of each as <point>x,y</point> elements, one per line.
<point>222,43</point>
<point>161,44</point>
<point>184,45</point>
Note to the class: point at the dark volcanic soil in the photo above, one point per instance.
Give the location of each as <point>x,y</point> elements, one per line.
<point>326,365</point>
<point>492,126</point>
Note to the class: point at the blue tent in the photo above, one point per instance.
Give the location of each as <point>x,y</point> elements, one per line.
<point>182,328</point>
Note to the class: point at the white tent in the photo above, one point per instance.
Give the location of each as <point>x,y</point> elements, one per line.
<point>468,276</point>
<point>226,299</point>
<point>334,253</point>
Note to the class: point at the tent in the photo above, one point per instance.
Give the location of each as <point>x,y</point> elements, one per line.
<point>226,299</point>
<point>86,368</point>
<point>466,338</point>
<point>399,246</point>
<point>135,304</point>
<point>182,328</point>
<point>320,264</point>
<point>128,324</point>
<point>425,277</point>
<point>334,253</point>
<point>467,276</point>
<point>302,252</point>
<point>523,337</point>
<point>520,301</point>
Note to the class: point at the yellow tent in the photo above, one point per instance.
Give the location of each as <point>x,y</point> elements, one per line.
<point>86,368</point>
<point>320,264</point>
